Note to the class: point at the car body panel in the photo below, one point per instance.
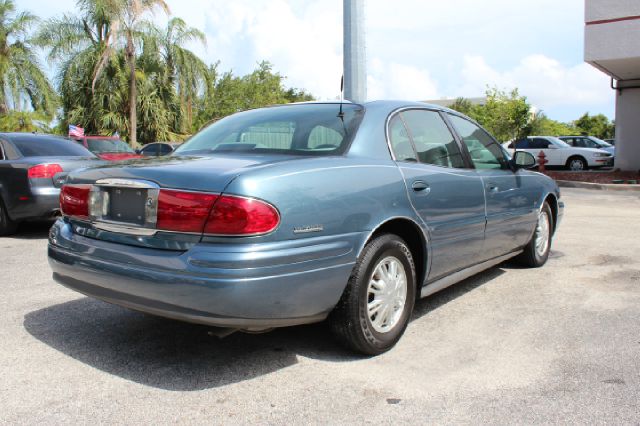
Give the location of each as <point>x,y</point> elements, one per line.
<point>329,207</point>
<point>34,198</point>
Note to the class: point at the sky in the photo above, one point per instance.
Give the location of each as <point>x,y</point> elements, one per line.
<point>416,49</point>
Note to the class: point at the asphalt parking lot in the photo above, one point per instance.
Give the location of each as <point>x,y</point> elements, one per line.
<point>552,345</point>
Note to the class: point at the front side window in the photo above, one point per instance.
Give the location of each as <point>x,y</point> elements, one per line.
<point>310,129</point>
<point>485,152</point>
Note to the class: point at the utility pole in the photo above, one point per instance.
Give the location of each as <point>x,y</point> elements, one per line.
<point>355,69</point>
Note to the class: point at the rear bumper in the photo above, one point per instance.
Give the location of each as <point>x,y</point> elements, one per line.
<point>43,203</point>
<point>231,285</point>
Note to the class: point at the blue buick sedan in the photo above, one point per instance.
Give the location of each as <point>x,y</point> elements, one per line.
<point>302,213</point>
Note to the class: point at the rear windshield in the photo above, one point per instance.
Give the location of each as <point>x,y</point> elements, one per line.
<point>42,146</point>
<point>108,145</point>
<point>306,129</point>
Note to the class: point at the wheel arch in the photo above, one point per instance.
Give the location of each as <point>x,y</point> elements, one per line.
<point>414,235</point>
<point>578,156</point>
<point>553,203</point>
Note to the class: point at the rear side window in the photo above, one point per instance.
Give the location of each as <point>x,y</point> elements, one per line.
<point>539,143</point>
<point>432,141</point>
<point>522,144</point>
<point>42,146</point>
<point>400,142</point>
<point>485,152</point>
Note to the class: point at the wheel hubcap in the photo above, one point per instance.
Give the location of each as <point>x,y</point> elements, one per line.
<point>576,165</point>
<point>542,234</point>
<point>386,294</point>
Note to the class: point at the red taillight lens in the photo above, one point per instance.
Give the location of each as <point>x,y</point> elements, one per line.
<point>241,216</point>
<point>74,200</point>
<point>183,211</point>
<point>44,170</point>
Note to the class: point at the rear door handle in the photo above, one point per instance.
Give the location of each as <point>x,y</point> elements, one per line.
<point>419,185</point>
<point>491,188</point>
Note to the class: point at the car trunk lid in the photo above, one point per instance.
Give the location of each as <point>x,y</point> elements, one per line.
<point>125,195</point>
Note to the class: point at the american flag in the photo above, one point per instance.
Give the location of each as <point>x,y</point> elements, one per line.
<point>76,131</point>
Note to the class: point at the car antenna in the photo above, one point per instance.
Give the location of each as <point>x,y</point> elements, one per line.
<point>341,114</point>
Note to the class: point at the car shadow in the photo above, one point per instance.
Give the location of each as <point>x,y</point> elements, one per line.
<point>178,356</point>
<point>33,230</point>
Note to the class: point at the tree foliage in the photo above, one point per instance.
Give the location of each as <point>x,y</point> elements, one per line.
<point>595,125</point>
<point>232,93</point>
<point>23,84</point>
<point>508,115</point>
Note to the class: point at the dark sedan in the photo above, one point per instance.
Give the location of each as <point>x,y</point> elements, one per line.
<point>157,149</point>
<point>32,170</point>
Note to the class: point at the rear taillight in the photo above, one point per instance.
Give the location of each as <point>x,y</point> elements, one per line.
<point>44,171</point>
<point>239,216</point>
<point>183,211</point>
<point>74,200</point>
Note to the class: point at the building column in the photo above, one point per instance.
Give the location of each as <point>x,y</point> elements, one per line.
<point>628,127</point>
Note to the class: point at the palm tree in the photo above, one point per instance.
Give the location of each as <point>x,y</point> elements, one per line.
<point>186,73</point>
<point>126,25</point>
<point>21,76</point>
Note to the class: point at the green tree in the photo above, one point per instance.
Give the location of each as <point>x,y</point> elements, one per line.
<point>25,121</point>
<point>540,124</point>
<point>260,88</point>
<point>127,22</point>
<point>595,125</point>
<point>21,76</point>
<point>181,68</point>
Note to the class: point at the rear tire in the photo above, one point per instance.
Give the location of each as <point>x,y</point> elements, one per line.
<point>577,164</point>
<point>536,252</point>
<point>375,308</point>
<point>7,226</point>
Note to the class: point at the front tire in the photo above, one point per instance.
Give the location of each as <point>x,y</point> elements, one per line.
<point>536,252</point>
<point>375,308</point>
<point>577,164</point>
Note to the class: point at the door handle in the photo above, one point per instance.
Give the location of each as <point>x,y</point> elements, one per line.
<point>419,185</point>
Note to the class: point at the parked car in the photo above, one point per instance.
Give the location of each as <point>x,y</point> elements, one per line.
<point>300,213</point>
<point>32,169</point>
<point>157,149</point>
<point>560,154</point>
<point>589,142</point>
<point>108,148</point>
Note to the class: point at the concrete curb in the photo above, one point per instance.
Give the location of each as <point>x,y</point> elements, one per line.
<point>598,186</point>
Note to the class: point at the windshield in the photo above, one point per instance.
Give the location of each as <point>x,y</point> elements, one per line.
<point>559,142</point>
<point>108,145</point>
<point>600,142</point>
<point>301,129</point>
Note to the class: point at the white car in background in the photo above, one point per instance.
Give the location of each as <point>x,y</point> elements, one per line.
<point>561,154</point>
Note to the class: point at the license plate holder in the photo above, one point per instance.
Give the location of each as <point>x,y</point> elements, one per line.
<point>127,205</point>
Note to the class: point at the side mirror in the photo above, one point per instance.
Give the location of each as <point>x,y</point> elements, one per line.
<point>523,160</point>
<point>138,151</point>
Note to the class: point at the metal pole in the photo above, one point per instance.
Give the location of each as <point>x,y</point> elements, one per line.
<point>355,70</point>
